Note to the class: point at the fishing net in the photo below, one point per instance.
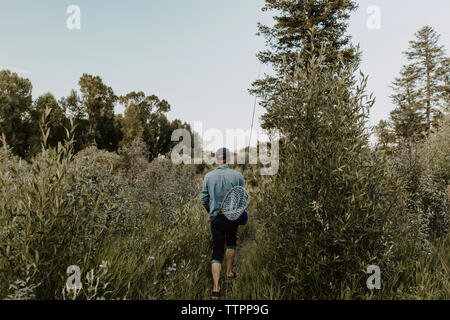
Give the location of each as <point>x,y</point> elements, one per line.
<point>235,203</point>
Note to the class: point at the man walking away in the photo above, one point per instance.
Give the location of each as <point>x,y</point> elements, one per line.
<point>215,186</point>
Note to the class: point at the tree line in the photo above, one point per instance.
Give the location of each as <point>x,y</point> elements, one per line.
<point>91,110</point>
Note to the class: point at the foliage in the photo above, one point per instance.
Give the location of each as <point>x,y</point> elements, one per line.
<point>145,119</point>
<point>15,103</point>
<point>57,121</point>
<point>420,93</point>
<point>137,231</point>
<point>62,210</point>
<point>289,38</point>
<point>92,111</point>
<point>428,58</point>
<point>327,210</point>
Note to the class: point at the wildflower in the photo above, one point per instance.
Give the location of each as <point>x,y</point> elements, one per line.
<point>155,283</point>
<point>170,242</point>
<point>150,258</point>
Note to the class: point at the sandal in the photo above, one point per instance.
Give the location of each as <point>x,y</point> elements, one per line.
<point>215,295</point>
<point>232,278</point>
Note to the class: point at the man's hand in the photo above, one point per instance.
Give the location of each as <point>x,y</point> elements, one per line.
<point>207,210</point>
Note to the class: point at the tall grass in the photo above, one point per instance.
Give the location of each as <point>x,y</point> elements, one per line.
<point>134,228</point>
<point>137,230</point>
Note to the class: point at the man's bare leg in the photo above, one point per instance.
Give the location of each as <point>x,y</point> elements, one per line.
<point>215,270</point>
<point>229,255</point>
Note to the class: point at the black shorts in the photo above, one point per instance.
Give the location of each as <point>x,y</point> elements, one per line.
<point>224,232</point>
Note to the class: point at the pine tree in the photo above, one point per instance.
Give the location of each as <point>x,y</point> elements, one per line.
<point>444,88</point>
<point>429,60</point>
<point>407,120</point>
<point>290,38</point>
<point>385,136</point>
<point>422,91</point>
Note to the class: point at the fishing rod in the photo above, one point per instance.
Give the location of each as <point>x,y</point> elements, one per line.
<point>253,121</point>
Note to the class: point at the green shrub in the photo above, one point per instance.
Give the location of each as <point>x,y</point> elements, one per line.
<point>333,208</point>
<point>43,224</point>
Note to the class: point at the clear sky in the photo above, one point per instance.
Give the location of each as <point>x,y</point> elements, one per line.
<point>199,54</point>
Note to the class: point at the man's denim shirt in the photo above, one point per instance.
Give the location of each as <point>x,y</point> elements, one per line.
<point>216,185</point>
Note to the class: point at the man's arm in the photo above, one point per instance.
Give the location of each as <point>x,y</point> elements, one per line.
<point>241,180</point>
<point>204,198</point>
